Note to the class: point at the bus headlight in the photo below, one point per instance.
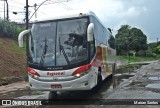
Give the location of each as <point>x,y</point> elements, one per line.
<point>81,74</point>
<point>35,76</point>
<point>78,75</point>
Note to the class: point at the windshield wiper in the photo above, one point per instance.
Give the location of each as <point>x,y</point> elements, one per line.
<point>63,51</point>
<point>44,52</point>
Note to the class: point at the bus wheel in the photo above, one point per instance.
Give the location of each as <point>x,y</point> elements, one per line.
<point>99,83</point>
<point>99,79</point>
<point>52,95</point>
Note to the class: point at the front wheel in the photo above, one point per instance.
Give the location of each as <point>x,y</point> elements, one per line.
<point>99,83</point>
<point>99,79</point>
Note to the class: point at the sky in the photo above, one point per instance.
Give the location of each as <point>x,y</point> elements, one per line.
<point>142,14</point>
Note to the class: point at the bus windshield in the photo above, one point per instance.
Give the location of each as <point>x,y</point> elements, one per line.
<point>58,43</point>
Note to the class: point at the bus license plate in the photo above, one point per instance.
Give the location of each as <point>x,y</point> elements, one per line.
<point>56,86</point>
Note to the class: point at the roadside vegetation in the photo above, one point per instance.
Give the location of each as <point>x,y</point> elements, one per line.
<point>18,50</point>
<point>12,58</point>
<point>9,29</point>
<point>132,46</point>
<point>137,59</point>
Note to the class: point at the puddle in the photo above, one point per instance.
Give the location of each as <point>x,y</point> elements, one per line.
<point>154,78</point>
<point>155,85</point>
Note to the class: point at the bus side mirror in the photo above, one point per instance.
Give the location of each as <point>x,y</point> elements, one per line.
<point>90,32</point>
<point>20,37</point>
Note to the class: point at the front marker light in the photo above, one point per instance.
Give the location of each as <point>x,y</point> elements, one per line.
<point>78,75</point>
<point>35,76</point>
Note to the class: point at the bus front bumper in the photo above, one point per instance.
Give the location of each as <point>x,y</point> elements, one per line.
<point>86,82</point>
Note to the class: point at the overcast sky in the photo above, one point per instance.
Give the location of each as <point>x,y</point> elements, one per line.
<point>142,14</point>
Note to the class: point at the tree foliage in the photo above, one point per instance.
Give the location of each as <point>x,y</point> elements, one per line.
<point>156,49</point>
<point>129,38</point>
<point>9,29</point>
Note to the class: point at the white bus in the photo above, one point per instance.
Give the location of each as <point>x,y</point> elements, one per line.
<point>69,52</point>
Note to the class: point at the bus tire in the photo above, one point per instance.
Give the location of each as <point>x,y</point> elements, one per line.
<point>99,79</point>
<point>99,83</point>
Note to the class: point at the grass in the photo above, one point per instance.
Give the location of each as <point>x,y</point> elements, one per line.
<point>18,49</point>
<point>12,59</point>
<point>137,59</point>
<point>1,43</point>
<point>132,67</point>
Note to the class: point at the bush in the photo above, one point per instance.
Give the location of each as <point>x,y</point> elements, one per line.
<point>9,29</point>
<point>154,55</point>
<point>157,49</point>
<point>149,53</point>
<point>141,53</point>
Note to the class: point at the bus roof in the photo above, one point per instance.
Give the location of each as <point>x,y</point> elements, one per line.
<point>72,14</point>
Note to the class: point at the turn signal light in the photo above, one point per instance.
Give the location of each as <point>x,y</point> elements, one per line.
<point>33,73</point>
<point>82,69</point>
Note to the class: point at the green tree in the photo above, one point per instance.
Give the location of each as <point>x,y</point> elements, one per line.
<point>122,38</point>
<point>9,29</point>
<point>157,49</point>
<point>141,40</point>
<point>129,38</point>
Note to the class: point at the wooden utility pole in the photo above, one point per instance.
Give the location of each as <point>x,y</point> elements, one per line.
<point>4,11</point>
<point>27,14</point>
<point>35,8</point>
<point>7,10</point>
<point>6,1</point>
